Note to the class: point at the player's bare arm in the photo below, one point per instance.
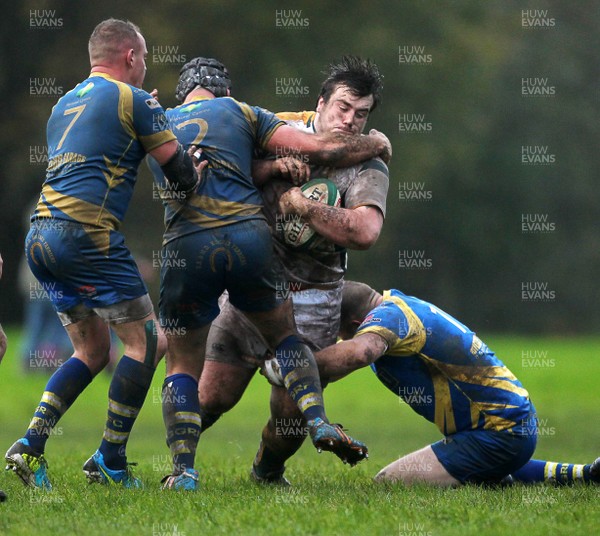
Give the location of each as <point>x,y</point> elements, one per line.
<point>356,228</point>
<point>287,168</point>
<point>331,149</point>
<point>341,359</point>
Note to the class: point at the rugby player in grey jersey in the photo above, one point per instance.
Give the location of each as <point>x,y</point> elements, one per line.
<point>235,349</point>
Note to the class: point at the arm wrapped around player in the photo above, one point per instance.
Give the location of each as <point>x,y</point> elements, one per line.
<point>180,172</point>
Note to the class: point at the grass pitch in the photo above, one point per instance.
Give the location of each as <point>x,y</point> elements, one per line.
<point>327,497</point>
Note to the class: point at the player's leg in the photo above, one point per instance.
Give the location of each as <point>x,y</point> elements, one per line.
<point>474,456</point>
<point>56,260</point>
<point>181,407</point>
<point>295,359</point>
<point>282,436</point>
<point>419,466</point>
<point>558,473</point>
<point>221,387</point>
<point>144,345</point>
<point>226,374</point>
<point>301,378</point>
<point>91,342</point>
<point>253,289</point>
<point>188,304</point>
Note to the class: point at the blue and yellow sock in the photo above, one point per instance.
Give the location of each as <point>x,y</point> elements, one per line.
<point>558,473</point>
<point>128,388</point>
<point>181,414</point>
<point>301,377</point>
<point>62,389</point>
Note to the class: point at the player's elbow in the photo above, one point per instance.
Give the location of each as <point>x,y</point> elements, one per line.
<point>362,237</point>
<point>366,239</point>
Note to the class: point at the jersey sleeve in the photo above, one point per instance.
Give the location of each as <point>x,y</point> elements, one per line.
<point>303,119</point>
<point>397,324</point>
<point>370,187</point>
<point>150,122</point>
<point>265,124</point>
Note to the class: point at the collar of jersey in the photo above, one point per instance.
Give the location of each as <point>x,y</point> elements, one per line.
<point>199,98</point>
<point>102,75</point>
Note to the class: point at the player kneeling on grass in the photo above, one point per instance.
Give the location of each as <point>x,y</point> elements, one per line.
<point>445,373</point>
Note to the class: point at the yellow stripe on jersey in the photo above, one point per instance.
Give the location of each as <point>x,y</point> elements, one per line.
<point>412,342</point>
<point>79,210</point>
<point>125,106</point>
<point>497,377</point>
<point>444,413</point>
<point>248,113</point>
<point>475,415</point>
<point>307,117</point>
<point>213,206</point>
<point>221,207</point>
<point>153,141</point>
<point>252,119</point>
<point>125,111</point>
<point>83,212</point>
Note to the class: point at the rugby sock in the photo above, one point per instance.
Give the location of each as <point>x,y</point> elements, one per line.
<point>63,387</point>
<point>301,377</point>
<point>181,413</point>
<point>558,473</point>
<point>126,394</point>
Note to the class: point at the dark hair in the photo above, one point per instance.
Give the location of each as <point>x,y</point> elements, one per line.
<point>110,37</point>
<point>362,77</point>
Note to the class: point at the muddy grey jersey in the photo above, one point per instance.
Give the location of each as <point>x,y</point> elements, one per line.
<point>365,184</point>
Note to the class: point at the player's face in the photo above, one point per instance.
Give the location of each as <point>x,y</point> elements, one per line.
<point>343,112</point>
<point>138,67</point>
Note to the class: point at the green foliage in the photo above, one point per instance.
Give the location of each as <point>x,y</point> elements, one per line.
<point>470,161</point>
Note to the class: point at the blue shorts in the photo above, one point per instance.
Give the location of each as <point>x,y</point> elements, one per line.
<point>72,270</point>
<point>480,456</point>
<point>197,268</point>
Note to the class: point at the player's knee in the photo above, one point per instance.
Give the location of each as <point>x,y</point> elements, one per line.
<point>97,356</point>
<point>161,346</point>
<point>216,405</point>
<point>208,418</point>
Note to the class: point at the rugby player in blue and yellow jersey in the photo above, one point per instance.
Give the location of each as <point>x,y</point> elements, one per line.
<point>446,374</point>
<point>97,135</point>
<point>221,241</point>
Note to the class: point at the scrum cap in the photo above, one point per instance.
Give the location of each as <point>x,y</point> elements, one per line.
<point>208,73</point>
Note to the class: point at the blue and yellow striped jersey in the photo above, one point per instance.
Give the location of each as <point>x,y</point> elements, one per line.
<point>98,133</point>
<point>443,370</point>
<point>228,132</point>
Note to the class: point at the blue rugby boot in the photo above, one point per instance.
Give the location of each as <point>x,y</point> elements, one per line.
<point>28,465</point>
<point>331,437</point>
<point>186,481</point>
<point>96,471</point>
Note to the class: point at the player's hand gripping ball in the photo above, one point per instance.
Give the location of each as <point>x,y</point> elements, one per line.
<point>297,233</point>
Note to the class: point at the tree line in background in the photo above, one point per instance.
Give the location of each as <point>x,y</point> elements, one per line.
<point>491,107</point>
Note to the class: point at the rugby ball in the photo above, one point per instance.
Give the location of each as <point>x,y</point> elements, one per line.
<point>297,233</point>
